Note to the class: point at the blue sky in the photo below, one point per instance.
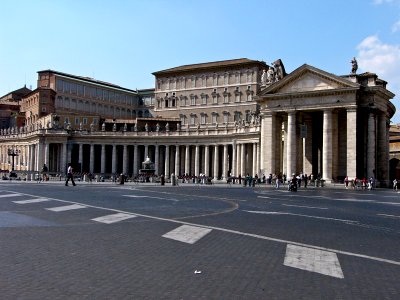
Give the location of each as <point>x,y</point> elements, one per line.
<point>123,42</point>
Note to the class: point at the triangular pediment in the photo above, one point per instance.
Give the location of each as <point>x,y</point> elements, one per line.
<point>308,79</point>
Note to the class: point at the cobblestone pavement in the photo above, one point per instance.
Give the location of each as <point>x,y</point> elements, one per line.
<point>105,241</point>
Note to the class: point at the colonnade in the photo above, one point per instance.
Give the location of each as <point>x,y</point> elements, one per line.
<point>328,143</point>
<point>217,160</point>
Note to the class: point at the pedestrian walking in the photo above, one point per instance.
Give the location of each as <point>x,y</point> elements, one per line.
<point>395,184</point>
<point>70,175</point>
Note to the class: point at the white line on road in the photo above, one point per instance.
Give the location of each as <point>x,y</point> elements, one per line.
<point>299,215</point>
<point>187,234</point>
<point>314,260</point>
<point>10,195</point>
<point>67,207</point>
<point>391,216</point>
<point>252,235</point>
<point>305,206</point>
<point>37,200</point>
<point>109,219</point>
<point>151,197</point>
<point>263,197</point>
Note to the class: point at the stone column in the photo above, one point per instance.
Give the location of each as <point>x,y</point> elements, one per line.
<point>197,161</point>
<point>156,159</point>
<point>103,159</point>
<point>351,143</point>
<point>327,146</point>
<point>46,154</point>
<point>234,160</point>
<point>187,160</point>
<point>135,160</point>
<point>114,159</point>
<point>238,169</point>
<point>125,159</point>
<point>243,160</point>
<point>291,144</point>
<point>307,147</point>
<point>382,173</point>
<point>216,162</point>
<point>91,159</point>
<point>371,145</point>
<point>254,159</point>
<point>225,163</point>
<point>285,152</point>
<point>80,156</point>
<point>64,154</point>
<point>146,151</point>
<point>207,160</point>
<point>177,162</point>
<point>258,159</point>
<point>39,155</point>
<point>166,166</point>
<point>268,141</point>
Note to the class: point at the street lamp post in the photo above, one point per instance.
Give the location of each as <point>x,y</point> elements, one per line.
<point>13,153</point>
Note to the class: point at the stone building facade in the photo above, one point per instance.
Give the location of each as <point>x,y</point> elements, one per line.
<point>221,119</point>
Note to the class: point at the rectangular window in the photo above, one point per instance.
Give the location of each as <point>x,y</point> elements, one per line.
<point>183,119</point>
<point>226,118</point>
<point>76,121</point>
<point>226,99</point>
<point>215,79</point>
<point>84,121</point>
<point>214,118</point>
<point>59,85</point>
<point>193,82</point>
<point>215,99</point>
<point>203,119</point>
<point>192,120</point>
<point>192,100</point>
<point>204,99</point>
<point>94,121</point>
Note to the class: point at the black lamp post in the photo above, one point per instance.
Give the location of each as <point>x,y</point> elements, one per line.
<point>13,153</point>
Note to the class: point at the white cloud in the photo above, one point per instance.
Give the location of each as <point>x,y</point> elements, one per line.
<point>396,26</point>
<point>383,59</point>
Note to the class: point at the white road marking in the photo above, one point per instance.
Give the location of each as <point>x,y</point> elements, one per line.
<point>322,262</point>
<point>151,197</point>
<point>10,195</point>
<point>109,219</point>
<point>299,215</point>
<point>37,200</point>
<point>67,207</point>
<point>392,216</point>
<point>252,235</point>
<point>305,206</point>
<point>351,200</point>
<point>263,197</point>
<point>187,234</point>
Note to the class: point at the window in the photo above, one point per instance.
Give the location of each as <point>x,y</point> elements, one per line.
<point>183,119</point>
<point>238,116</point>
<point>204,99</point>
<point>192,100</point>
<point>214,118</point>
<point>94,121</point>
<point>248,116</point>
<point>77,121</point>
<point>237,77</point>
<point>183,83</point>
<point>226,117</point>
<point>158,84</point>
<point>203,81</point>
<point>215,99</point>
<point>192,119</point>
<point>226,98</point>
<point>59,85</point>
<point>193,81</point>
<point>226,78</point>
<point>84,121</point>
<point>215,79</point>
<point>183,101</point>
<point>203,119</point>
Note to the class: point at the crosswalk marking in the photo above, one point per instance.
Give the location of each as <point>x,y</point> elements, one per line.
<point>37,200</point>
<point>187,234</point>
<point>10,195</point>
<point>67,207</point>
<point>314,260</point>
<point>109,219</point>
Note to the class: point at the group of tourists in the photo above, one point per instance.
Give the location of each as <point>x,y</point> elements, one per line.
<point>357,183</point>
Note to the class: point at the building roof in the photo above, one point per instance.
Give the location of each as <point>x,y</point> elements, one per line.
<point>19,93</point>
<point>208,65</point>
<point>88,79</point>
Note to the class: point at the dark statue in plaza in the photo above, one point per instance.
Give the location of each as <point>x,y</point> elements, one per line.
<point>354,66</point>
